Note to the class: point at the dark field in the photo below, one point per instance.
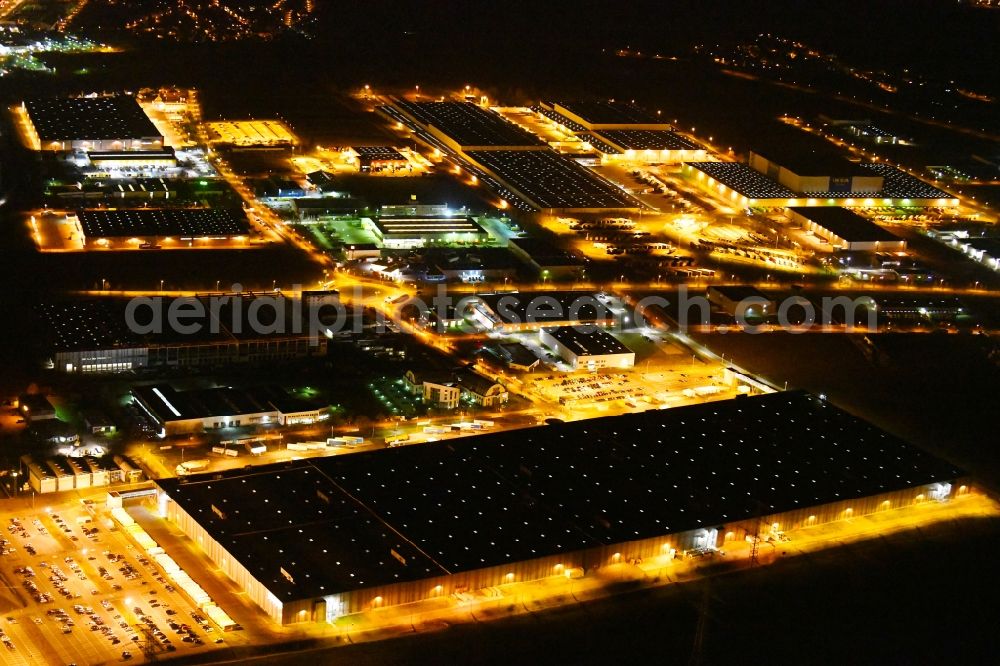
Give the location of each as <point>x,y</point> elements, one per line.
<point>911,598</point>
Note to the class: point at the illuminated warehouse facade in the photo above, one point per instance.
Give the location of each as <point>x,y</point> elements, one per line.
<point>312,540</point>
<point>96,123</point>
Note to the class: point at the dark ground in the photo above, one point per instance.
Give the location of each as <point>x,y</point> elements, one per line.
<point>910,598</point>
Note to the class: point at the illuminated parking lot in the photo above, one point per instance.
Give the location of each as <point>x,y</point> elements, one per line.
<point>79,591</point>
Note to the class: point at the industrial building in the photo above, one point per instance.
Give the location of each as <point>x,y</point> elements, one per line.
<point>193,411</point>
<point>645,146</point>
<point>516,311</point>
<point>35,407</point>
<point>518,166</point>
<point>102,123</point>
<point>313,540</point>
<point>545,259</point>
<point>409,231</point>
<point>372,159</point>
<point>845,230</point>
<point>132,159</point>
<point>151,226</point>
<point>62,473</point>
<point>268,133</point>
<point>587,347</point>
<point>604,115</point>
<point>746,186</point>
<point>464,126</point>
<point>515,356</point>
<point>92,336</point>
<point>551,182</point>
<point>741,300</point>
<point>812,172</point>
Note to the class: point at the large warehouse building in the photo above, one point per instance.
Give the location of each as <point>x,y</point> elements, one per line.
<point>816,172</point>
<point>518,166</point>
<point>93,336</point>
<point>744,186</point>
<point>312,540</point>
<point>845,230</point>
<point>153,226</point>
<point>605,115</point>
<point>104,123</point>
<point>517,311</point>
<point>622,132</point>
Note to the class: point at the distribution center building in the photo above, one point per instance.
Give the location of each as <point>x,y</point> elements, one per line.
<point>845,230</point>
<point>312,540</point>
<point>517,165</point>
<point>102,123</point>
<point>159,225</point>
<point>812,172</point>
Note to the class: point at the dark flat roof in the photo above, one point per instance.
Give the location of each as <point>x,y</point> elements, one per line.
<point>516,353</point>
<point>90,119</point>
<point>101,323</point>
<point>542,306</point>
<point>610,113</point>
<point>331,523</point>
<point>819,161</point>
<point>545,253</point>
<point>469,124</point>
<point>169,404</point>
<point>845,224</point>
<point>145,222</point>
<point>587,340</point>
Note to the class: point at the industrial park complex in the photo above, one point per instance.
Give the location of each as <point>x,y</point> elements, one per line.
<point>347,363</point>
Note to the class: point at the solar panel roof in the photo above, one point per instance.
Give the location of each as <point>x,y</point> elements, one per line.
<point>845,224</point>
